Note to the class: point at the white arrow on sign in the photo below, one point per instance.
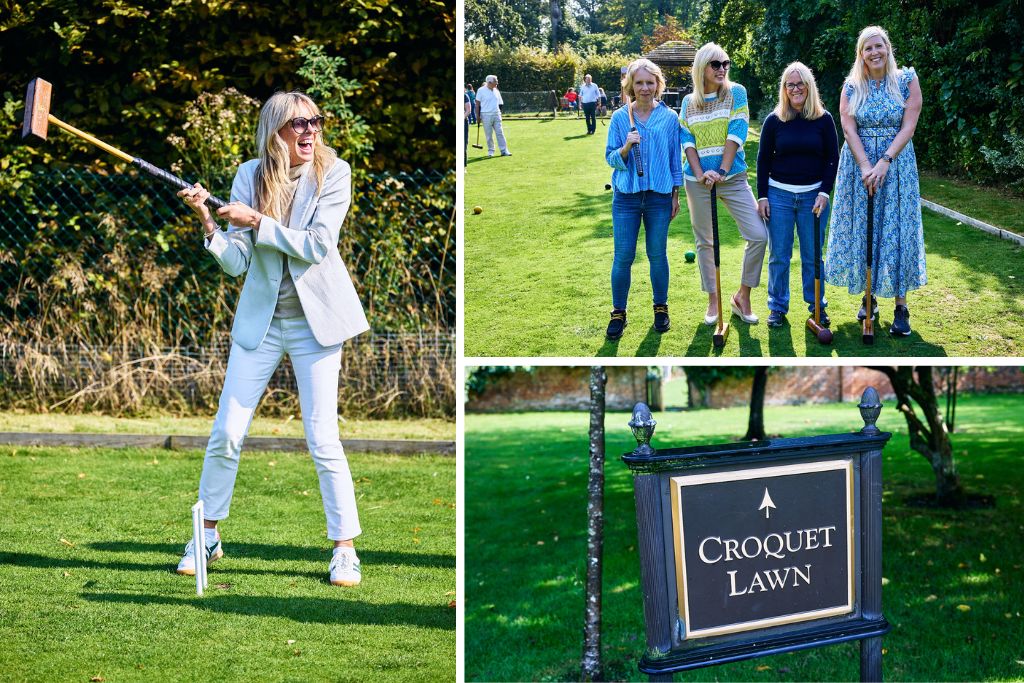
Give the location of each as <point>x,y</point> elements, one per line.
<point>766,504</point>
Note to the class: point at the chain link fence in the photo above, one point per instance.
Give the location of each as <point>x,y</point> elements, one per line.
<point>110,300</point>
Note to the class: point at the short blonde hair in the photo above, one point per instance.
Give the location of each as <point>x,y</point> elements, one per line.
<point>707,53</point>
<point>648,66</point>
<point>813,108</point>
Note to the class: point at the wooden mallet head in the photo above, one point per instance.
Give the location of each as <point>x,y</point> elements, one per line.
<point>37,109</point>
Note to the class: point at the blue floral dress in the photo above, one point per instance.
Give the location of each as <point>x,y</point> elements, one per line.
<point>898,258</point>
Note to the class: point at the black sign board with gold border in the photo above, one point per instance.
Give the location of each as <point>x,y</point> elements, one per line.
<point>759,548</point>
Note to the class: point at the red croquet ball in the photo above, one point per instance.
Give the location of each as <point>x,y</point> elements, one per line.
<point>825,336</point>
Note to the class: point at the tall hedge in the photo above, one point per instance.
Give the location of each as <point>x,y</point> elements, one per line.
<point>526,69</point>
<point>124,69</point>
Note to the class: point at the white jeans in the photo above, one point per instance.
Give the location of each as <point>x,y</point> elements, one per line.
<point>492,122</point>
<point>316,372</point>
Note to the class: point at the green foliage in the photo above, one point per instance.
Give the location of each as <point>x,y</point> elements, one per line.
<point>125,70</point>
<point>1008,161</point>
<point>706,376</point>
<point>526,69</point>
<point>480,377</point>
<point>346,131</point>
<point>968,57</point>
<point>219,134</point>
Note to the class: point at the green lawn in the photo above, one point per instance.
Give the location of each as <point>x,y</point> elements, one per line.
<point>91,538</point>
<point>426,429</point>
<point>538,263</point>
<point>524,578</point>
<point>989,204</point>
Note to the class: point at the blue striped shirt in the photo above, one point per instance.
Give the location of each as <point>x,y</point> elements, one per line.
<point>659,151</point>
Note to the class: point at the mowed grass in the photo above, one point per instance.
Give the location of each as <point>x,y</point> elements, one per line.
<point>538,264</point>
<point>526,520</point>
<point>91,538</point>
<point>426,429</point>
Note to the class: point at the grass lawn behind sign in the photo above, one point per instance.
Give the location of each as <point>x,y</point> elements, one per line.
<point>91,538</point>
<point>953,580</point>
<point>538,266</point>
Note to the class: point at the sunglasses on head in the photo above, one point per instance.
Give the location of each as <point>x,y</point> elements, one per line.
<point>716,65</point>
<point>300,124</point>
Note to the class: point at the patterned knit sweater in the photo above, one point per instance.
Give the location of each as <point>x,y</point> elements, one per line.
<point>706,126</point>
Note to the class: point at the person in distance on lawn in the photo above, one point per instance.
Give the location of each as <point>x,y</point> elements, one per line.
<point>796,168</point>
<point>285,215</point>
<point>878,107</point>
<point>714,120</point>
<point>590,98</point>
<point>652,197</point>
<point>488,110</point>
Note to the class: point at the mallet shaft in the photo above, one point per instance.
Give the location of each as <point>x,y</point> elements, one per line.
<point>89,138</point>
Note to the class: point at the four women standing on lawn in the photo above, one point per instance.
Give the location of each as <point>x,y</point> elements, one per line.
<point>652,196</point>
<point>796,168</point>
<point>798,162</point>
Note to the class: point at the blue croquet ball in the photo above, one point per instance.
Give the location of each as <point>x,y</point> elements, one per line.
<point>689,256</point>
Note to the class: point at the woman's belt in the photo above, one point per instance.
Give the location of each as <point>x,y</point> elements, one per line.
<point>878,132</point>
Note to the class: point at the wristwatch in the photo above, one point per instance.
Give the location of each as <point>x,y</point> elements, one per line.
<point>722,172</point>
<point>887,158</point>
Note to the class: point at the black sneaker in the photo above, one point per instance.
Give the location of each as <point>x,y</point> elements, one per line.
<point>617,324</point>
<point>900,322</point>
<point>661,323</point>
<point>823,319</point>
<point>776,319</point>
<point>862,313</point>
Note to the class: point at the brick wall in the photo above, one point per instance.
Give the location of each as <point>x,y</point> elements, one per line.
<point>795,385</point>
<point>558,388</point>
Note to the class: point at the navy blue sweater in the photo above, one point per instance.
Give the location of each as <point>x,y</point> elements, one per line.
<point>797,152</point>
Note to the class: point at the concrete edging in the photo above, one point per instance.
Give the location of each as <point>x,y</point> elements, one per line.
<point>260,443</point>
<point>973,222</point>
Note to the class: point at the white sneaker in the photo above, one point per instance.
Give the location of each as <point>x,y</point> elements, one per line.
<point>345,567</point>
<point>214,551</point>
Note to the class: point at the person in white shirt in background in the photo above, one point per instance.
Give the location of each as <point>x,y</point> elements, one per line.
<point>488,110</point>
<point>589,96</point>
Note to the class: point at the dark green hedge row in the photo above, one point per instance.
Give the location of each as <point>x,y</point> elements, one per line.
<point>527,69</point>
<point>123,70</point>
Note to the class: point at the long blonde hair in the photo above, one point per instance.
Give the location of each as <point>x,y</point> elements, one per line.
<point>706,53</point>
<point>271,176</point>
<point>648,66</point>
<point>858,76</point>
<point>813,108</point>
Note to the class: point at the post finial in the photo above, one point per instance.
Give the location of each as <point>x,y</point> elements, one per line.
<point>642,424</point>
<point>870,408</point>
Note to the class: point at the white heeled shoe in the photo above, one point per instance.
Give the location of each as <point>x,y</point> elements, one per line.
<point>751,319</point>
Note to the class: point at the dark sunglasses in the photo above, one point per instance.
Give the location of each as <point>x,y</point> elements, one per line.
<point>716,65</point>
<point>300,124</point>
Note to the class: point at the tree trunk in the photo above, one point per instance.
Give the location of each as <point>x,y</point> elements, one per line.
<point>755,424</point>
<point>556,19</point>
<point>591,663</point>
<point>930,437</point>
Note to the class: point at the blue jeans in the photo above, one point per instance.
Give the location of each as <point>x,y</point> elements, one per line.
<point>627,210</point>
<point>786,209</point>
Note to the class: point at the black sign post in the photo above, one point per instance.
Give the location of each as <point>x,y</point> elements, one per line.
<point>759,548</point>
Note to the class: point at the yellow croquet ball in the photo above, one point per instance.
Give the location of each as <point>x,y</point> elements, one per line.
<point>478,209</point>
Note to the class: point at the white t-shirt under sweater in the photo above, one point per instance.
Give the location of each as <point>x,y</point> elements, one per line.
<point>288,304</point>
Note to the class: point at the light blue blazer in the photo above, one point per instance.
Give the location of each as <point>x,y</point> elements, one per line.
<point>310,241</point>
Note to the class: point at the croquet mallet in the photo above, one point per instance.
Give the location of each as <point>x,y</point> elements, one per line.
<point>478,145</point>
<point>823,334</point>
<point>636,148</point>
<point>868,326</point>
<point>722,329</point>
<point>38,118</point>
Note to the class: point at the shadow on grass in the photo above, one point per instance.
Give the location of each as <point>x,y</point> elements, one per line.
<point>266,551</point>
<point>650,344</point>
<point>306,610</point>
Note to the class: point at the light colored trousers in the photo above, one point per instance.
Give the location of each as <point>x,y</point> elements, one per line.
<point>316,372</point>
<point>735,193</point>
<point>492,124</point>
